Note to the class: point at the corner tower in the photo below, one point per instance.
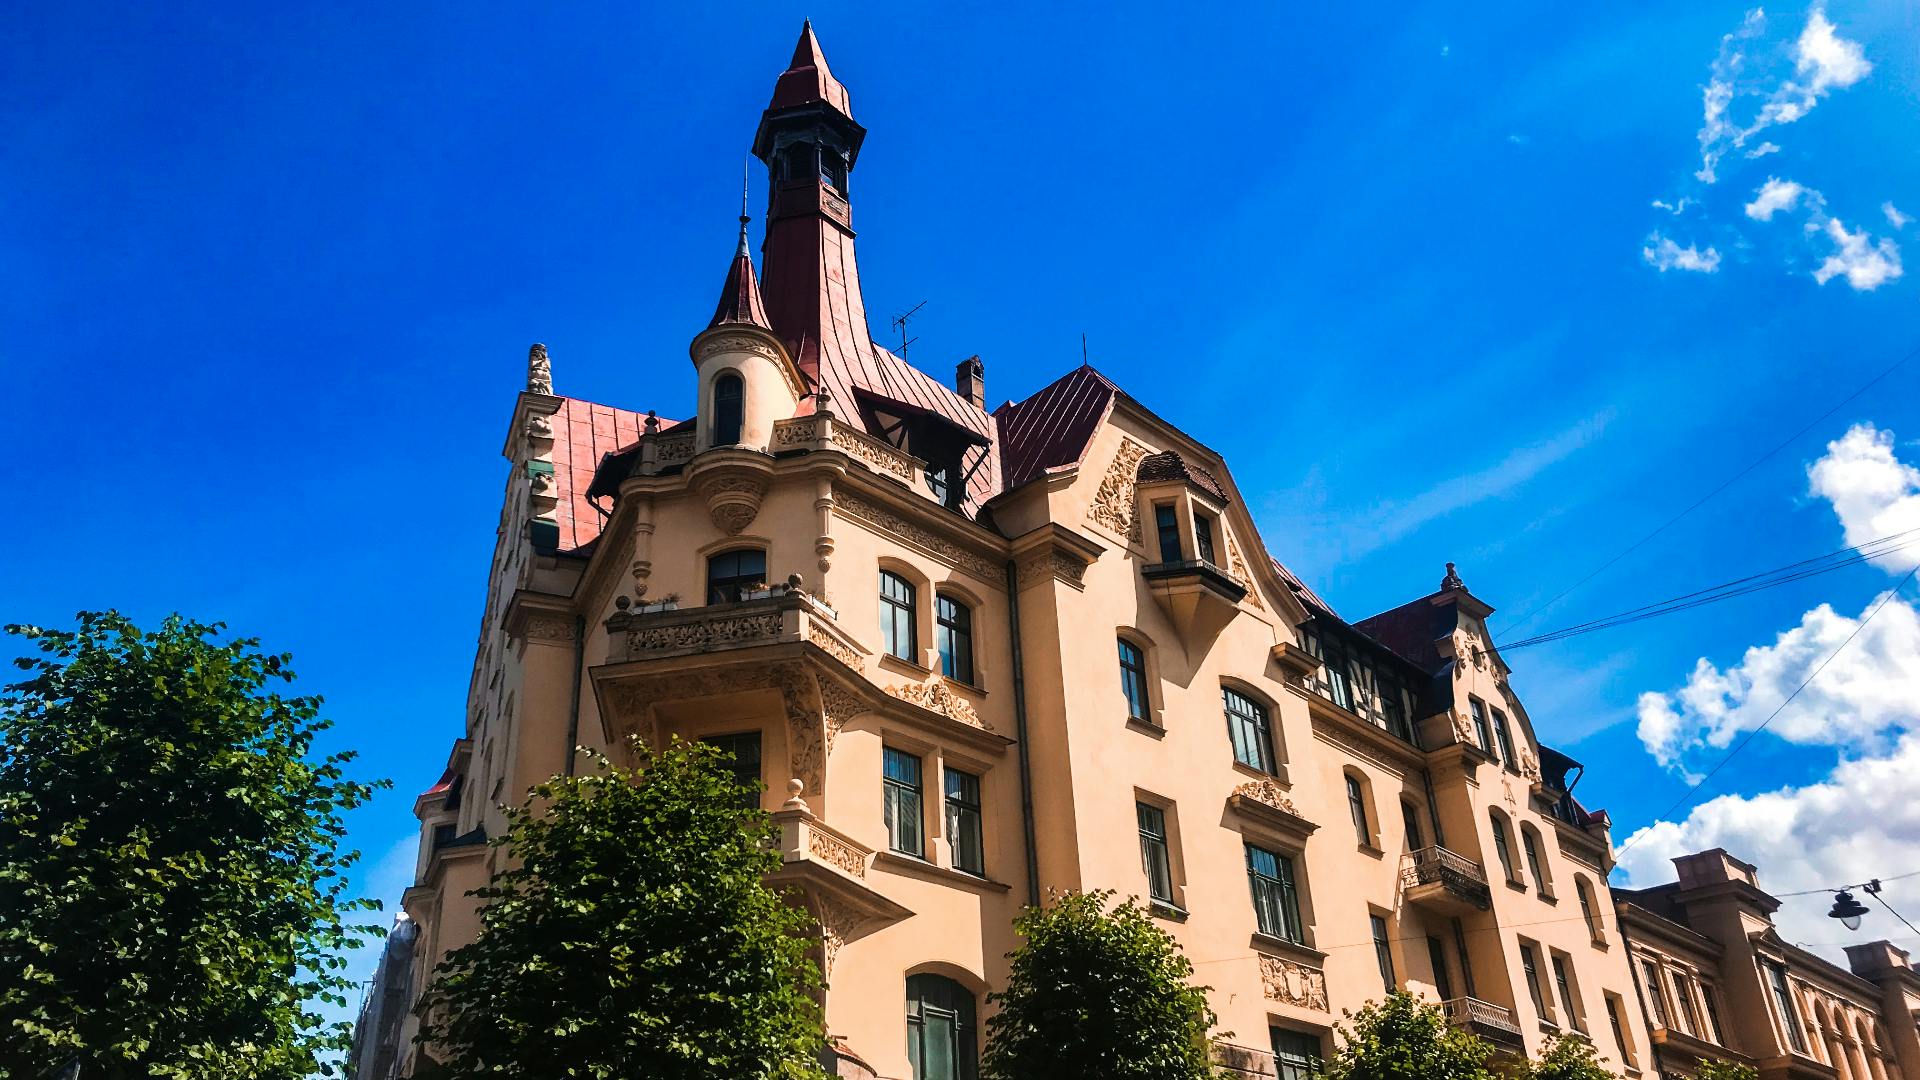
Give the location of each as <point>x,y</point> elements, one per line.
<point>809,142</point>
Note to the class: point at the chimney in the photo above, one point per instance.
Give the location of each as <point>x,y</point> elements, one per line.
<point>970,381</point>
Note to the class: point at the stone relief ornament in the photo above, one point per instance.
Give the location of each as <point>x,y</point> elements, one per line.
<point>539,371</point>
<point>704,633</point>
<point>836,852</point>
<point>733,502</point>
<point>839,705</point>
<point>538,427</point>
<point>1237,570</point>
<point>833,646</point>
<point>1266,791</point>
<point>1113,501</point>
<point>1529,764</point>
<point>1293,983</point>
<point>938,697</point>
<point>1462,727</point>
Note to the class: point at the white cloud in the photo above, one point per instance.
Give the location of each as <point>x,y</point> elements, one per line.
<point>1678,206</point>
<point>1774,196</point>
<point>1867,264</point>
<point>1663,254</point>
<point>1763,150</point>
<point>1823,62</point>
<point>1872,491</point>
<point>1894,217</point>
<point>1850,826</point>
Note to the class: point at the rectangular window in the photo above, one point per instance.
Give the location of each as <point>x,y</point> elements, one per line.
<point>953,637</point>
<point>1501,732</point>
<point>1383,951</point>
<point>1410,818</point>
<point>901,793</point>
<point>1296,1056</point>
<point>1276,901</point>
<point>1153,851</point>
<point>1783,1000</point>
<point>1713,1012</point>
<point>1357,810</point>
<point>1333,655</point>
<point>1442,980</point>
<point>963,822</point>
<point>1501,848</point>
<point>1203,537</point>
<point>1656,996</point>
<point>1248,728</point>
<point>1530,964</point>
<point>1480,729</point>
<point>1619,1032</point>
<point>743,758</point>
<point>1133,680</point>
<point>896,616</point>
<point>1683,1003</point>
<point>1167,523</point>
<point>1564,984</point>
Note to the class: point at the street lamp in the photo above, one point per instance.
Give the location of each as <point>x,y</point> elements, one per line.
<point>1847,910</point>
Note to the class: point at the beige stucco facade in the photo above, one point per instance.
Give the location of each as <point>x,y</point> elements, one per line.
<point>1340,807</point>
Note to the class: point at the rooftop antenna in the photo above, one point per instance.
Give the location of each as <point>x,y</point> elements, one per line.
<point>745,173</point>
<point>900,323</point>
<point>1083,348</point>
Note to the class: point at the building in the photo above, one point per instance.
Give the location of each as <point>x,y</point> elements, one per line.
<point>1717,981</point>
<point>377,1050</point>
<point>976,655</point>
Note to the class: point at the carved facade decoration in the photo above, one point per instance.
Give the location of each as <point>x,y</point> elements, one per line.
<point>1113,502</point>
<point>837,923</point>
<point>1264,790</point>
<point>800,432</point>
<point>552,629</point>
<point>539,371</point>
<point>539,427</point>
<point>1293,983</point>
<point>674,449</point>
<point>899,528</point>
<point>733,502</point>
<point>1053,564</point>
<point>838,704</point>
<point>836,853</point>
<point>872,452</point>
<point>704,633</point>
<point>806,727</point>
<point>1529,765</point>
<point>938,697</point>
<point>833,646</point>
<point>1462,726</point>
<point>1237,570</point>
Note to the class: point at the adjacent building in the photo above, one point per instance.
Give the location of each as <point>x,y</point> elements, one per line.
<point>1718,981</point>
<point>976,654</point>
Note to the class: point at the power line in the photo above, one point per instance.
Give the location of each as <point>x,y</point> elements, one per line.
<point>1752,583</point>
<point>1749,737</point>
<point>1536,611</point>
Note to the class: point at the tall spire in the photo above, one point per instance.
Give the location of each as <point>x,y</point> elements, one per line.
<point>809,141</point>
<point>740,302</point>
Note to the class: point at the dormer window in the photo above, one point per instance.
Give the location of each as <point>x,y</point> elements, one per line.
<point>729,409</point>
<point>1203,538</point>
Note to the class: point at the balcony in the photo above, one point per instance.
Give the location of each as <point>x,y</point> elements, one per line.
<point>1198,596</point>
<point>1445,881</point>
<point>828,869</point>
<point>777,615</point>
<point>1494,1023</point>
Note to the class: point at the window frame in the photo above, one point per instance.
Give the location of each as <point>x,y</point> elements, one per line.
<point>964,1012</point>
<point>726,741</point>
<point>1415,837</point>
<point>897,795</point>
<point>968,858</point>
<point>896,612</point>
<point>1142,709</point>
<point>1382,949</point>
<point>1656,994</point>
<point>1530,844</point>
<point>739,582</point>
<point>1156,852</point>
<point>1530,967</point>
<point>1687,1012</point>
<point>1299,1061</point>
<point>1261,722</point>
<point>953,637</point>
<point>1357,808</point>
<point>729,409</point>
<point>1504,737</point>
<point>1482,727</point>
<point>1583,890</point>
<point>1568,986</point>
<point>1276,896</point>
<point>1166,525</point>
<point>1502,847</point>
<point>1203,542</point>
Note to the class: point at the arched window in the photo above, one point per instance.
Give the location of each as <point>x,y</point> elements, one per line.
<point>1587,910</point>
<point>1502,847</point>
<point>1249,730</point>
<point>897,616</point>
<point>1410,818</point>
<point>1357,809</point>
<point>1530,844</point>
<point>732,574</point>
<point>729,409</point>
<point>953,636</point>
<point>940,1029</point>
<point>1133,681</point>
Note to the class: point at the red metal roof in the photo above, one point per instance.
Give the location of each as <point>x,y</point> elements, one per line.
<point>1051,427</point>
<point>583,433</point>
<point>740,302</point>
<point>807,78</point>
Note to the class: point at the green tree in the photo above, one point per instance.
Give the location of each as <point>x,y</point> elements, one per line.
<point>1723,1070</point>
<point>1404,1038</point>
<point>1097,993</point>
<point>1567,1057</point>
<point>171,896</point>
<point>633,935</point>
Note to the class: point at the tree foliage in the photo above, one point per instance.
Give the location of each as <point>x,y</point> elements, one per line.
<point>171,898</point>
<point>1567,1057</point>
<point>1404,1038</point>
<point>632,935</point>
<point>1724,1070</point>
<point>1099,993</point>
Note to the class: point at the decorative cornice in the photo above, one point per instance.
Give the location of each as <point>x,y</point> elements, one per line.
<point>937,696</point>
<point>535,617</point>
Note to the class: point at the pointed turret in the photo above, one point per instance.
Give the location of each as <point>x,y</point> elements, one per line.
<point>740,302</point>
<point>809,142</point>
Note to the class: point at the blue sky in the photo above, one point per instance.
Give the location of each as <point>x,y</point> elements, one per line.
<point>271,275</point>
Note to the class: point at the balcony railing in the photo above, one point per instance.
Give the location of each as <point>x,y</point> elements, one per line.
<point>1435,873</point>
<point>770,616</point>
<point>1484,1018</point>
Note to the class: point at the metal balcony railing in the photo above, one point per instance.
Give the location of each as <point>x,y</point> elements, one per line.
<point>1482,1017</point>
<point>1453,872</point>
